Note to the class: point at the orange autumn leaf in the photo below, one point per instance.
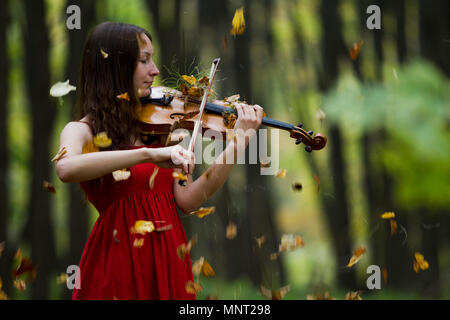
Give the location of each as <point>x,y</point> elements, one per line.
<point>238,22</point>
<point>151,182</point>
<point>200,213</point>
<point>281,173</point>
<point>101,140</point>
<point>290,242</point>
<point>60,154</point>
<point>90,147</point>
<point>419,262</point>
<point>62,278</point>
<point>2,247</point>
<point>354,295</point>
<point>260,240</point>
<point>179,176</point>
<point>385,274</point>
<point>393,225</point>
<point>189,79</point>
<point>274,294</point>
<point>193,287</point>
<point>20,285</point>
<point>357,255</point>
<point>388,215</point>
<point>25,266</point>
<point>48,186</point>
<point>231,231</point>
<point>184,249</point>
<point>197,266</point>
<point>207,270</point>
<point>124,96</point>
<point>142,227</point>
<point>195,92</point>
<point>138,243</point>
<point>320,296</point>
<point>354,51</point>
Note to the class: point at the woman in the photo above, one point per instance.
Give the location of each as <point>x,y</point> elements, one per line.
<point>118,262</point>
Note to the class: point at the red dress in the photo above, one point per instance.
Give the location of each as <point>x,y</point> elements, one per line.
<point>111,266</point>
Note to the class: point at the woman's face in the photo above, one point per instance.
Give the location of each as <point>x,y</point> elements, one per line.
<point>146,69</point>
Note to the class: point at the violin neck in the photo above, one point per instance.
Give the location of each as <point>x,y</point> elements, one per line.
<point>211,107</point>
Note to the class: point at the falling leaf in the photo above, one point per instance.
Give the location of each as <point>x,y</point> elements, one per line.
<point>317,181</point>
<point>290,242</point>
<point>419,262</point>
<point>231,231</point>
<point>354,51</point>
<point>164,228</point>
<point>207,270</point>
<point>320,296</point>
<point>101,140</point>
<point>25,267</point>
<point>189,79</point>
<point>211,297</point>
<point>60,154</point>
<point>274,256</point>
<point>260,240</point>
<point>197,266</point>
<point>281,173</point>
<point>115,236</point>
<point>297,186</point>
<point>385,274</point>
<point>193,287</point>
<point>179,176</point>
<point>104,54</point>
<point>274,294</point>
<point>60,89</point>
<point>200,213</point>
<point>204,81</point>
<point>2,247</point>
<point>138,243</point>
<point>320,115</point>
<point>120,175</point>
<point>388,215</point>
<point>20,285</point>
<point>184,249</point>
<point>124,96</point>
<point>238,22</point>
<point>152,178</point>
<point>48,186</point>
<point>357,255</point>
<point>62,278</point>
<point>90,147</point>
<point>353,295</point>
<point>142,227</point>
<point>393,224</point>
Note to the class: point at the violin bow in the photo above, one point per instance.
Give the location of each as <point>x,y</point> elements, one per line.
<point>198,122</point>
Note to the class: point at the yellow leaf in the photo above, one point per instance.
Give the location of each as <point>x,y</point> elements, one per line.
<point>231,231</point>
<point>124,96</point>
<point>281,173</point>
<point>138,243</point>
<point>90,147</point>
<point>195,92</point>
<point>274,294</point>
<point>142,227</point>
<point>354,51</point>
<point>193,287</point>
<point>238,22</point>
<point>419,262</point>
<point>353,296</point>
<point>357,255</point>
<point>290,242</point>
<point>184,249</point>
<point>152,178</point>
<point>393,224</point>
<point>197,266</point>
<point>189,79</point>
<point>101,140</point>
<point>120,175</point>
<point>179,176</point>
<point>388,215</point>
<point>62,278</point>
<point>60,154</point>
<point>260,240</point>
<point>104,54</point>
<point>200,213</point>
<point>207,270</point>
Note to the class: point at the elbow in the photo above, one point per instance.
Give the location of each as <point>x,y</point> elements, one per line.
<point>63,172</point>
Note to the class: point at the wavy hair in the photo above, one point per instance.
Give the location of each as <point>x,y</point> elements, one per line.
<point>109,60</point>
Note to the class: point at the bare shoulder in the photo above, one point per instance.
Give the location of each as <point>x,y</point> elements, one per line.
<point>74,135</point>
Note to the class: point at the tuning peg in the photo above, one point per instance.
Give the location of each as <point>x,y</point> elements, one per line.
<point>300,125</point>
<point>299,140</point>
<point>310,132</point>
<point>308,148</point>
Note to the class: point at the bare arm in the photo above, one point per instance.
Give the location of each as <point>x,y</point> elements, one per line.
<point>75,166</point>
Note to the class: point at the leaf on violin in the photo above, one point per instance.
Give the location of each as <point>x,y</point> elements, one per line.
<point>353,295</point>
<point>229,119</point>
<point>189,79</point>
<point>274,294</point>
<point>232,99</point>
<point>179,176</point>
<point>61,279</point>
<point>138,243</point>
<point>238,22</point>
<point>20,285</point>
<point>104,54</point>
<point>316,178</point>
<point>193,287</point>
<point>419,262</point>
<point>101,140</point>
<point>354,51</point>
<point>297,186</point>
<point>388,215</point>
<point>142,227</point>
<point>231,231</point>
<point>60,89</point>
<point>48,186</point>
<point>124,96</point>
<point>184,249</point>
<point>200,213</point>
<point>204,81</point>
<point>393,225</point>
<point>60,154</point>
<point>151,182</point>
<point>357,255</point>
<point>290,242</point>
<point>90,147</point>
<point>195,92</point>
<point>120,175</point>
<point>281,173</point>
<point>260,240</point>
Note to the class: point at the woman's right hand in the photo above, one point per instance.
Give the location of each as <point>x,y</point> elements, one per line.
<point>173,157</point>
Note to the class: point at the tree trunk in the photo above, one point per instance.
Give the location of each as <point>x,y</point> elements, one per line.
<point>40,227</point>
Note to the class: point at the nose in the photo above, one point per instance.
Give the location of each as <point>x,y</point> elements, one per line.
<point>154,71</point>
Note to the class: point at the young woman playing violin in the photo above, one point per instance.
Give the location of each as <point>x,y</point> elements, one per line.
<point>117,59</point>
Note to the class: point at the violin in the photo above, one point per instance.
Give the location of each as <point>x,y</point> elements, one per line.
<point>166,110</point>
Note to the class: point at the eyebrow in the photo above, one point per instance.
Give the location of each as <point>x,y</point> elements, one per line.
<point>145,52</point>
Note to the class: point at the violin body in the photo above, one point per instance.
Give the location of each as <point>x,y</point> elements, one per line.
<point>166,110</point>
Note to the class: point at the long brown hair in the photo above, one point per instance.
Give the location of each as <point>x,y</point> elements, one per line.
<point>109,60</point>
